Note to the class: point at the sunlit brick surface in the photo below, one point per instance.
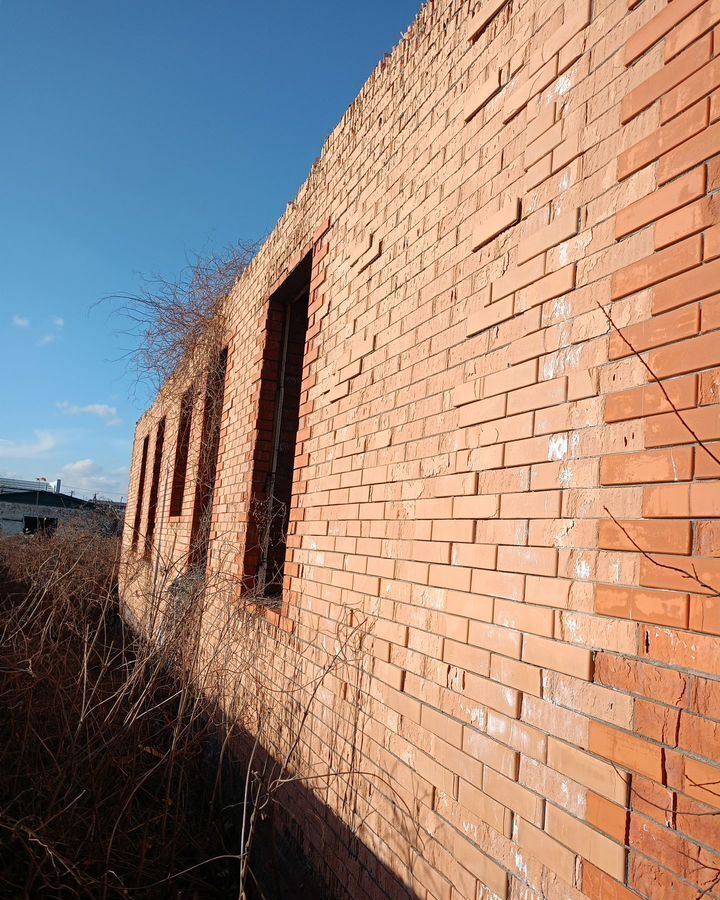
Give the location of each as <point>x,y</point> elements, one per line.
<point>488,472</point>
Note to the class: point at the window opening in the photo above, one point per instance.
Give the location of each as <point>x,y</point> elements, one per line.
<point>182,448</point>
<point>141,492</point>
<point>277,428</point>
<point>207,464</point>
<point>154,487</point>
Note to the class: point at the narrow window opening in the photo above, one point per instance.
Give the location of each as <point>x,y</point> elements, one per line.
<point>207,464</point>
<point>182,447</point>
<point>277,428</point>
<point>154,487</point>
<point>141,493</point>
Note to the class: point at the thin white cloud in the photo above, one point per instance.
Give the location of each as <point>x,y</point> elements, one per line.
<point>58,322</point>
<point>44,441</point>
<point>47,339</point>
<point>108,413</point>
<point>87,476</point>
<point>20,321</point>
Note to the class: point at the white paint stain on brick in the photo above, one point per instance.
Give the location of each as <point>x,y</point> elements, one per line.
<point>557,447</point>
<point>582,569</point>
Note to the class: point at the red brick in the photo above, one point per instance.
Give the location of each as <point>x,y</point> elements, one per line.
<point>660,607</point>
<point>657,537</point>
<point>558,657</point>
<point>638,468</point>
<point>652,147</point>
<point>693,151</point>
<point>694,285</point>
<point>479,95</point>
<point>688,221</point>
<point>689,91</point>
<point>560,229</point>
<point>493,224</point>
<point>626,750</point>
<point>658,267</point>
<point>661,202</point>
<point>663,329</point>
<point>673,73</point>
<point>658,26</point>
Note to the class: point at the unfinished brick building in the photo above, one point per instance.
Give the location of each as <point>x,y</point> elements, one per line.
<point>479,358</point>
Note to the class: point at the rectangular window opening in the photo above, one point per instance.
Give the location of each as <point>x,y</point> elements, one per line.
<point>39,525</point>
<point>140,494</point>
<point>182,448</point>
<point>207,464</point>
<point>277,428</point>
<point>154,487</point>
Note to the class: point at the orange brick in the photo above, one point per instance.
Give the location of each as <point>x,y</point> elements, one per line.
<point>686,356</point>
<point>538,844</point>
<point>586,769</point>
<point>659,607</point>
<point>658,26</point>
<point>650,466</point>
<point>685,288</point>
<point>664,329</point>
<point>490,752</point>
<point>538,396</point>
<point>650,400</point>
<point>516,674</point>
<point>530,619</point>
<point>672,428</point>
<point>671,74</point>
<point>479,95</point>
<point>664,536</point>
<point>588,843</point>
<point>689,154</point>
<point>691,28</point>
<point>490,315</point>
<point>482,411</point>
<point>658,267</point>
<point>626,750</point>
<point>689,220</point>
<point>560,229</point>
<point>557,656</point>
<point>661,202</point>
<point>477,24</point>
<point>663,140</point>
<point>530,560</point>
<point>690,90</point>
<point>490,226</point>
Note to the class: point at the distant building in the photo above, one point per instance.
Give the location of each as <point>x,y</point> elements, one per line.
<point>37,484</point>
<point>43,511</point>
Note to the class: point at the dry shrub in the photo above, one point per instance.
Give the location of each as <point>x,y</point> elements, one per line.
<point>107,763</point>
<point>179,323</point>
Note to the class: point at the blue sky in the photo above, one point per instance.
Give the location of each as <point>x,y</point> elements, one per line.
<point>134,135</point>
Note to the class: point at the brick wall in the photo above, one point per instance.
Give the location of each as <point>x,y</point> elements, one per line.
<point>519,509</point>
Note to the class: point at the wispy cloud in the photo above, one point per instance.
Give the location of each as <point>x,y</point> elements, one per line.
<point>52,336</point>
<point>44,441</point>
<point>87,476</point>
<point>20,321</point>
<point>108,413</point>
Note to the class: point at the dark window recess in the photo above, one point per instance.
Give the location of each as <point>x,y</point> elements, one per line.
<point>140,494</point>
<point>39,525</point>
<point>154,487</point>
<point>277,427</point>
<point>182,448</point>
<point>207,464</point>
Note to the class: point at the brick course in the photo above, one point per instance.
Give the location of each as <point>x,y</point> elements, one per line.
<point>484,468</point>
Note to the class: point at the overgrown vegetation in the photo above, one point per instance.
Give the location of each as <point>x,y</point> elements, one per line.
<point>116,778</point>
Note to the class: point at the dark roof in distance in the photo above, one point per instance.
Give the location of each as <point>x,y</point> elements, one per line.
<point>45,498</point>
